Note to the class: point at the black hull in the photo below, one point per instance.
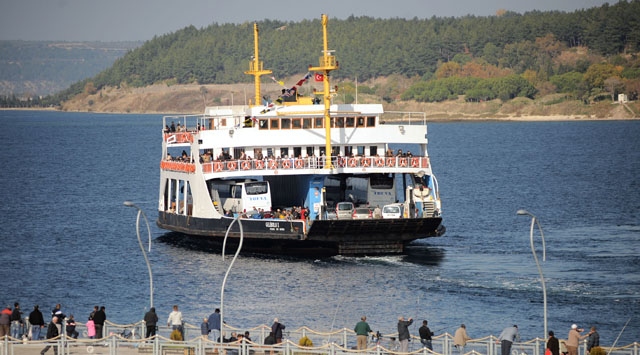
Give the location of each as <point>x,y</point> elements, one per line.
<point>325,238</point>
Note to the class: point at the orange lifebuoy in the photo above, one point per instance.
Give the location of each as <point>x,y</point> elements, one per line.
<point>207,168</point>
<point>403,162</point>
<point>353,162</point>
<point>246,165</point>
<point>259,164</point>
<point>286,164</point>
<point>217,167</point>
<point>366,162</point>
<point>232,165</point>
<point>273,164</point>
<point>415,162</point>
<point>379,162</point>
<point>299,164</point>
<point>391,162</point>
<point>342,162</point>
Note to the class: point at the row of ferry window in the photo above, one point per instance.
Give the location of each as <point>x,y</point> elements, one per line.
<point>316,122</point>
<point>303,152</point>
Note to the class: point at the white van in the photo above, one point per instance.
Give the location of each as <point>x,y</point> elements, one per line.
<point>394,210</point>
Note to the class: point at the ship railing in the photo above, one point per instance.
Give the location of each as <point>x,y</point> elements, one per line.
<point>217,166</point>
<point>295,342</point>
<point>404,117</point>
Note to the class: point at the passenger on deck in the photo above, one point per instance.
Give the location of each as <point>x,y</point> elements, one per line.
<point>399,153</point>
<point>389,153</point>
<point>173,127</point>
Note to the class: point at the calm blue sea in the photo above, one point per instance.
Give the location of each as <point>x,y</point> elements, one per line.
<point>67,238</point>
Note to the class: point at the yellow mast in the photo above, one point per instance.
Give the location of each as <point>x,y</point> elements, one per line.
<point>256,66</point>
<point>327,64</point>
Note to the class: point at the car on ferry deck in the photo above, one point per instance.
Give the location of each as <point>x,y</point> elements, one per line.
<point>362,213</point>
<point>344,210</point>
<point>394,210</point>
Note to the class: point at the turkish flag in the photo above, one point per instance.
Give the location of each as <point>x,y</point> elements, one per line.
<point>318,77</point>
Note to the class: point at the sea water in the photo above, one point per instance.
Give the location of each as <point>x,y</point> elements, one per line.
<point>67,237</point>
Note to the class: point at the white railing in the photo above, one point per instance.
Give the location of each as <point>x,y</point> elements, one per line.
<point>118,341</point>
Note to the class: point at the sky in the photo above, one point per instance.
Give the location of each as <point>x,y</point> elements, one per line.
<point>135,20</point>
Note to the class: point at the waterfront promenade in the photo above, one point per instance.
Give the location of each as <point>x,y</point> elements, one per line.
<point>341,341</point>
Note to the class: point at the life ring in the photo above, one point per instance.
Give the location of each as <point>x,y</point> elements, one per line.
<point>403,162</point>
<point>246,165</point>
<point>232,165</point>
<point>366,162</point>
<point>380,162</point>
<point>415,162</point>
<point>299,164</point>
<point>273,164</point>
<point>286,164</point>
<point>342,162</point>
<point>353,162</point>
<point>217,167</point>
<point>391,162</point>
<point>259,164</point>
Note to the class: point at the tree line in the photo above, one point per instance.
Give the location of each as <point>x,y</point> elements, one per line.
<point>586,54</point>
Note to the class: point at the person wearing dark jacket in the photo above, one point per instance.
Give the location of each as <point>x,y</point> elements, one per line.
<point>593,340</point>
<point>425,335</point>
<point>52,332</point>
<point>37,322</point>
<point>553,344</point>
<point>403,333</point>
<point>151,319</point>
<point>99,319</point>
<point>276,329</point>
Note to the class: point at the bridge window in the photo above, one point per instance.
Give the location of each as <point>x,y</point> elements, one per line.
<point>317,122</point>
<point>339,122</point>
<point>263,123</point>
<point>350,121</point>
<point>296,123</point>
<point>306,123</point>
<point>285,123</point>
<point>371,121</point>
<point>360,122</point>
<point>275,123</point>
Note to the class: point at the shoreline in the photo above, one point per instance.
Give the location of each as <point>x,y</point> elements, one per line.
<point>462,118</point>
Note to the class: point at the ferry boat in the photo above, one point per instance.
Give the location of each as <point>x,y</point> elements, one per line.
<point>281,167</point>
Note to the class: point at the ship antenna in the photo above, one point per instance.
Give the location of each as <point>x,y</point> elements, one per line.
<point>256,66</point>
<point>327,64</point>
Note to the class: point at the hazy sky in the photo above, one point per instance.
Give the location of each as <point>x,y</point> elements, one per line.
<point>116,20</point>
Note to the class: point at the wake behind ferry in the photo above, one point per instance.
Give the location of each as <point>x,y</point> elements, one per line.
<point>303,176</point>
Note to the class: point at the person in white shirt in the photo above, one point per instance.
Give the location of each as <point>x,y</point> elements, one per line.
<point>175,320</point>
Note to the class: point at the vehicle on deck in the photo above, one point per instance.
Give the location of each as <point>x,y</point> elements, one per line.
<point>394,210</point>
<point>362,213</point>
<point>344,210</point>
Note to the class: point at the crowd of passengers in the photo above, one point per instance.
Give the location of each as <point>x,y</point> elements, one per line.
<point>296,212</point>
<point>207,156</point>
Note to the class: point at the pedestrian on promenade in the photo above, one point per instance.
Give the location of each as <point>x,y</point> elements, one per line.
<point>16,321</point>
<point>71,327</point>
<point>362,330</point>
<point>151,320</point>
<point>460,338</point>
<point>52,332</point>
<point>91,328</point>
<point>99,318</point>
<point>276,329</point>
<point>204,329</point>
<point>175,320</point>
<point>593,340</point>
<point>425,335</point>
<point>5,321</point>
<point>507,337</point>
<point>403,333</point>
<point>553,344</point>
<point>36,319</point>
<point>573,339</point>
<point>214,323</point>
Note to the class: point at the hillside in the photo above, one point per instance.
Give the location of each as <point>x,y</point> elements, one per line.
<point>191,99</point>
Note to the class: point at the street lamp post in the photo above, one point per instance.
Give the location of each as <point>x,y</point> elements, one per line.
<point>224,281</point>
<point>534,221</point>
<point>144,253</point>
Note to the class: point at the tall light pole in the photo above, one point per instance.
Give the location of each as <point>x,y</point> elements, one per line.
<point>144,253</point>
<point>224,281</point>
<point>534,221</point>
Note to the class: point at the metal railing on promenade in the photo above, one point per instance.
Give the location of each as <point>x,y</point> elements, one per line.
<point>126,339</point>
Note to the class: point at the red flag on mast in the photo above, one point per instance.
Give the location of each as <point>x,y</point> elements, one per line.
<point>318,77</point>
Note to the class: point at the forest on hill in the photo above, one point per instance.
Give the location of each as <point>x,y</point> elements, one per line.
<point>589,55</point>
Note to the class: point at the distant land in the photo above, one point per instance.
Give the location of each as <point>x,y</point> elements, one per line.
<point>39,68</point>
